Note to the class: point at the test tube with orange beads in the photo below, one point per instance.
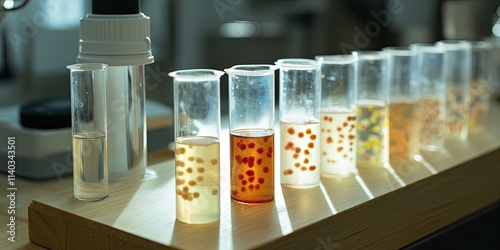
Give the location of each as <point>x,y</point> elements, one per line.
<point>480,85</point>
<point>458,76</point>
<point>403,98</point>
<point>431,105</point>
<point>300,152</point>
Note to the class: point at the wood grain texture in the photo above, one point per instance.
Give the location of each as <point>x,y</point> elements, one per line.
<point>379,208</point>
<point>407,214</point>
<point>21,240</point>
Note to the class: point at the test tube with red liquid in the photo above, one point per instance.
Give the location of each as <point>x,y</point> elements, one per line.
<point>251,127</point>
<point>300,146</point>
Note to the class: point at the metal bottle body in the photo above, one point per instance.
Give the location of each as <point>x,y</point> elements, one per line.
<point>126,114</point>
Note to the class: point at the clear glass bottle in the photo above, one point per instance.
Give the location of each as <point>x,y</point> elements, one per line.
<point>88,113</point>
<point>480,87</point>
<point>338,115</point>
<point>299,107</point>
<point>251,128</point>
<point>403,97</point>
<point>197,144</point>
<point>431,106</point>
<point>458,76</point>
<point>371,108</point>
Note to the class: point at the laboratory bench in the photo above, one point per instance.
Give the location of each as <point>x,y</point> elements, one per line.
<point>381,208</point>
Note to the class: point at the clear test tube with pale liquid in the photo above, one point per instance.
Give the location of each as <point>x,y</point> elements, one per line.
<point>88,113</point>
<point>197,145</point>
<point>338,115</point>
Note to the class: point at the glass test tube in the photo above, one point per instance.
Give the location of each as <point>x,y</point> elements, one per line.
<point>458,76</point>
<point>480,88</point>
<point>300,146</point>
<point>88,114</point>
<point>251,127</point>
<point>403,97</point>
<point>338,115</point>
<point>431,106</point>
<point>372,112</point>
<point>197,144</point>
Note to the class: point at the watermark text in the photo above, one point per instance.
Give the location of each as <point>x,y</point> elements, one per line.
<point>11,188</point>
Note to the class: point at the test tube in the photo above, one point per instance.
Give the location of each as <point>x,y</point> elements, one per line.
<point>431,77</point>
<point>88,114</point>
<point>480,88</point>
<point>403,97</point>
<point>458,76</point>
<point>251,127</point>
<point>338,115</point>
<point>197,144</point>
<point>299,107</point>
<point>372,112</point>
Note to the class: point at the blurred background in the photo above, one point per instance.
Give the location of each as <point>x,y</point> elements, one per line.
<point>40,39</point>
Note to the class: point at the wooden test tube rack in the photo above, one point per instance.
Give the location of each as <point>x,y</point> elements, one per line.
<point>379,208</point>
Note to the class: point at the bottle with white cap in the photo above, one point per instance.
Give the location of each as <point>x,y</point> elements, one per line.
<point>118,34</point>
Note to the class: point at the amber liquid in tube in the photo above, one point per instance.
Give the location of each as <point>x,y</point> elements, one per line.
<point>252,165</point>
<point>403,133</point>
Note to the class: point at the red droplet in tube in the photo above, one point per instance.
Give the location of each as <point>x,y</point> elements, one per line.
<point>261,180</point>
<point>250,172</point>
